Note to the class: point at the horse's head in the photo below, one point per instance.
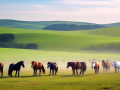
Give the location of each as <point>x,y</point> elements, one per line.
<point>32,64</point>
<point>113,62</point>
<point>93,64</point>
<point>49,64</point>
<point>68,64</point>
<point>22,64</point>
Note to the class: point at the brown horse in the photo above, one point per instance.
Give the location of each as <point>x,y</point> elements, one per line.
<point>36,66</point>
<point>1,69</point>
<point>96,66</point>
<point>77,65</point>
<point>105,65</point>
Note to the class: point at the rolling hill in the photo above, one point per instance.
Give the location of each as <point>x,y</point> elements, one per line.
<point>65,40</point>
<point>35,24</point>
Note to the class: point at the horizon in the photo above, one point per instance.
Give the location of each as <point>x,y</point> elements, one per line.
<point>57,20</point>
<point>90,11</point>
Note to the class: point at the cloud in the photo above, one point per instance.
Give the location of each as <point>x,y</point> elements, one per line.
<point>41,6</point>
<point>91,2</point>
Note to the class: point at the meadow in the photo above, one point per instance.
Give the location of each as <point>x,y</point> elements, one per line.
<point>65,40</point>
<point>60,47</point>
<point>64,79</point>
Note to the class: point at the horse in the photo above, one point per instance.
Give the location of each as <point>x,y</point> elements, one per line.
<point>15,67</point>
<point>116,65</point>
<point>77,65</point>
<point>96,66</point>
<point>53,66</point>
<point>106,65</point>
<point>38,66</point>
<point>1,69</point>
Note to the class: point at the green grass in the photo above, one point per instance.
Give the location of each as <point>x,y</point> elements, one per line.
<point>65,41</point>
<point>64,80</point>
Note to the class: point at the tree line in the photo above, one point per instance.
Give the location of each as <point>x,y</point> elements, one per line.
<point>112,47</point>
<point>7,41</point>
<point>66,27</point>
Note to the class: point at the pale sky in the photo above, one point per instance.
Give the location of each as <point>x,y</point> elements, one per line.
<point>94,11</point>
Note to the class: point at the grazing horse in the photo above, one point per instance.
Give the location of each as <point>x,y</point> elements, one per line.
<point>16,67</point>
<point>36,66</point>
<point>105,65</point>
<point>77,65</point>
<point>53,66</point>
<point>116,65</point>
<point>1,69</point>
<point>96,66</point>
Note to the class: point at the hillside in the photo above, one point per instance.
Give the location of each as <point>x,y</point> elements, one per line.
<point>113,24</point>
<point>64,40</point>
<point>72,27</point>
<point>35,24</point>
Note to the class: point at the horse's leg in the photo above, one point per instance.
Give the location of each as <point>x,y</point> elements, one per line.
<point>50,71</point>
<point>115,70</point>
<point>2,72</point>
<point>106,69</point>
<point>80,71</point>
<point>16,73</point>
<point>53,72</point>
<point>118,69</point>
<point>39,71</point>
<point>103,69</point>
<point>76,71</point>
<point>73,71</point>
<point>95,71</point>
<point>34,72</point>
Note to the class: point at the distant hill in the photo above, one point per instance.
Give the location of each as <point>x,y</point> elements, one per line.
<point>42,24</point>
<point>72,27</point>
<point>35,24</point>
<point>113,24</point>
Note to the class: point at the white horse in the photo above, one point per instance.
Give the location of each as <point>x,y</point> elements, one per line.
<point>116,65</point>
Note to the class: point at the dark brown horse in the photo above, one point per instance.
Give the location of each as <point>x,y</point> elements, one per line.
<point>95,65</point>
<point>77,65</point>
<point>1,69</point>
<point>53,67</point>
<point>37,65</point>
<point>106,65</point>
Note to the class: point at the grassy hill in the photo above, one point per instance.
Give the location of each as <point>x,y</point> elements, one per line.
<point>35,24</point>
<point>113,24</point>
<point>65,40</point>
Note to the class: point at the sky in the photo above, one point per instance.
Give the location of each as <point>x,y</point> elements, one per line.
<point>93,11</point>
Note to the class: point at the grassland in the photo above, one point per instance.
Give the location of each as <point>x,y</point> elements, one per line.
<point>65,41</point>
<point>60,43</point>
<point>64,80</point>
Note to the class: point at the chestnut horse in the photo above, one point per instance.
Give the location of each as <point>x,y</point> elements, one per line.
<point>105,65</point>
<point>96,66</point>
<point>77,65</point>
<point>1,69</point>
<point>36,66</point>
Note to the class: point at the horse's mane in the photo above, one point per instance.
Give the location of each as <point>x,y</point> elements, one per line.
<point>19,62</point>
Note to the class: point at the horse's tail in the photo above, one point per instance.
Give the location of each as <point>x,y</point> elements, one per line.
<point>56,69</point>
<point>9,70</point>
<point>43,69</point>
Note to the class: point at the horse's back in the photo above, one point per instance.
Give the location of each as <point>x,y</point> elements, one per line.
<point>39,65</point>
